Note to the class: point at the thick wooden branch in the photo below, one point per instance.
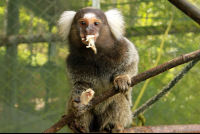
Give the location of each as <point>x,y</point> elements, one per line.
<point>194,128</point>
<point>136,79</point>
<point>189,9</point>
<point>165,66</point>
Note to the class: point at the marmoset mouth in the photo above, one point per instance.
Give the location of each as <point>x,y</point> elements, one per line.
<point>89,40</point>
<point>84,39</point>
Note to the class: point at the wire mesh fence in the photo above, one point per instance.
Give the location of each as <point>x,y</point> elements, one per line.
<point>33,80</point>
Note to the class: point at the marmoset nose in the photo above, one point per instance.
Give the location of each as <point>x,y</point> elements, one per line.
<point>89,30</point>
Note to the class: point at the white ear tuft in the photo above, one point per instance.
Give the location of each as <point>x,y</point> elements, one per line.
<point>64,23</point>
<point>116,23</point>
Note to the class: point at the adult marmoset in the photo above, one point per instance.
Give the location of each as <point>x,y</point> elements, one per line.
<point>113,63</point>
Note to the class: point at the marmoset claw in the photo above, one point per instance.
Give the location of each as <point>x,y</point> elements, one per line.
<point>117,129</point>
<point>76,127</point>
<point>77,107</point>
<point>122,83</point>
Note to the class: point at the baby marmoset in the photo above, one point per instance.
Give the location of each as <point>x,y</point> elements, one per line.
<point>114,63</point>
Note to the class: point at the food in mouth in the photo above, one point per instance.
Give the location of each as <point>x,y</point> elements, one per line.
<point>90,40</point>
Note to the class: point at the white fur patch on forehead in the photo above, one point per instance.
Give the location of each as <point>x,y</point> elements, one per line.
<point>64,23</point>
<point>116,23</point>
<point>89,15</point>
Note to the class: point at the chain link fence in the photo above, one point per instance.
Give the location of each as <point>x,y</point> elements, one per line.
<point>33,79</point>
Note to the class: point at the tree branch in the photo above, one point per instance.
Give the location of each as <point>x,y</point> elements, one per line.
<point>165,90</point>
<point>136,79</point>
<point>165,66</point>
<point>189,9</point>
<point>194,128</point>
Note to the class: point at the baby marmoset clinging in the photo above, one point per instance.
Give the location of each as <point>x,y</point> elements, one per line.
<point>114,63</point>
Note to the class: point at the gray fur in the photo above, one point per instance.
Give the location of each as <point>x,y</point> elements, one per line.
<point>117,59</point>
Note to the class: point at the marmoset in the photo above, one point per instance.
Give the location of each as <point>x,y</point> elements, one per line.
<point>112,65</point>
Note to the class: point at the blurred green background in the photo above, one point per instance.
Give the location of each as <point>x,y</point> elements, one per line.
<point>33,80</point>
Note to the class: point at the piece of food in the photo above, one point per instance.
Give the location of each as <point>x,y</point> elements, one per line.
<point>90,39</point>
<point>86,96</point>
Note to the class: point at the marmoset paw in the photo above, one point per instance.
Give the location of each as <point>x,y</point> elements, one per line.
<point>76,127</point>
<point>77,107</point>
<point>117,129</point>
<point>122,83</point>
<point>113,128</point>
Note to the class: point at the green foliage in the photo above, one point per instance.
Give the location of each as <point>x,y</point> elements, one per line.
<point>42,85</point>
<point>2,9</point>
